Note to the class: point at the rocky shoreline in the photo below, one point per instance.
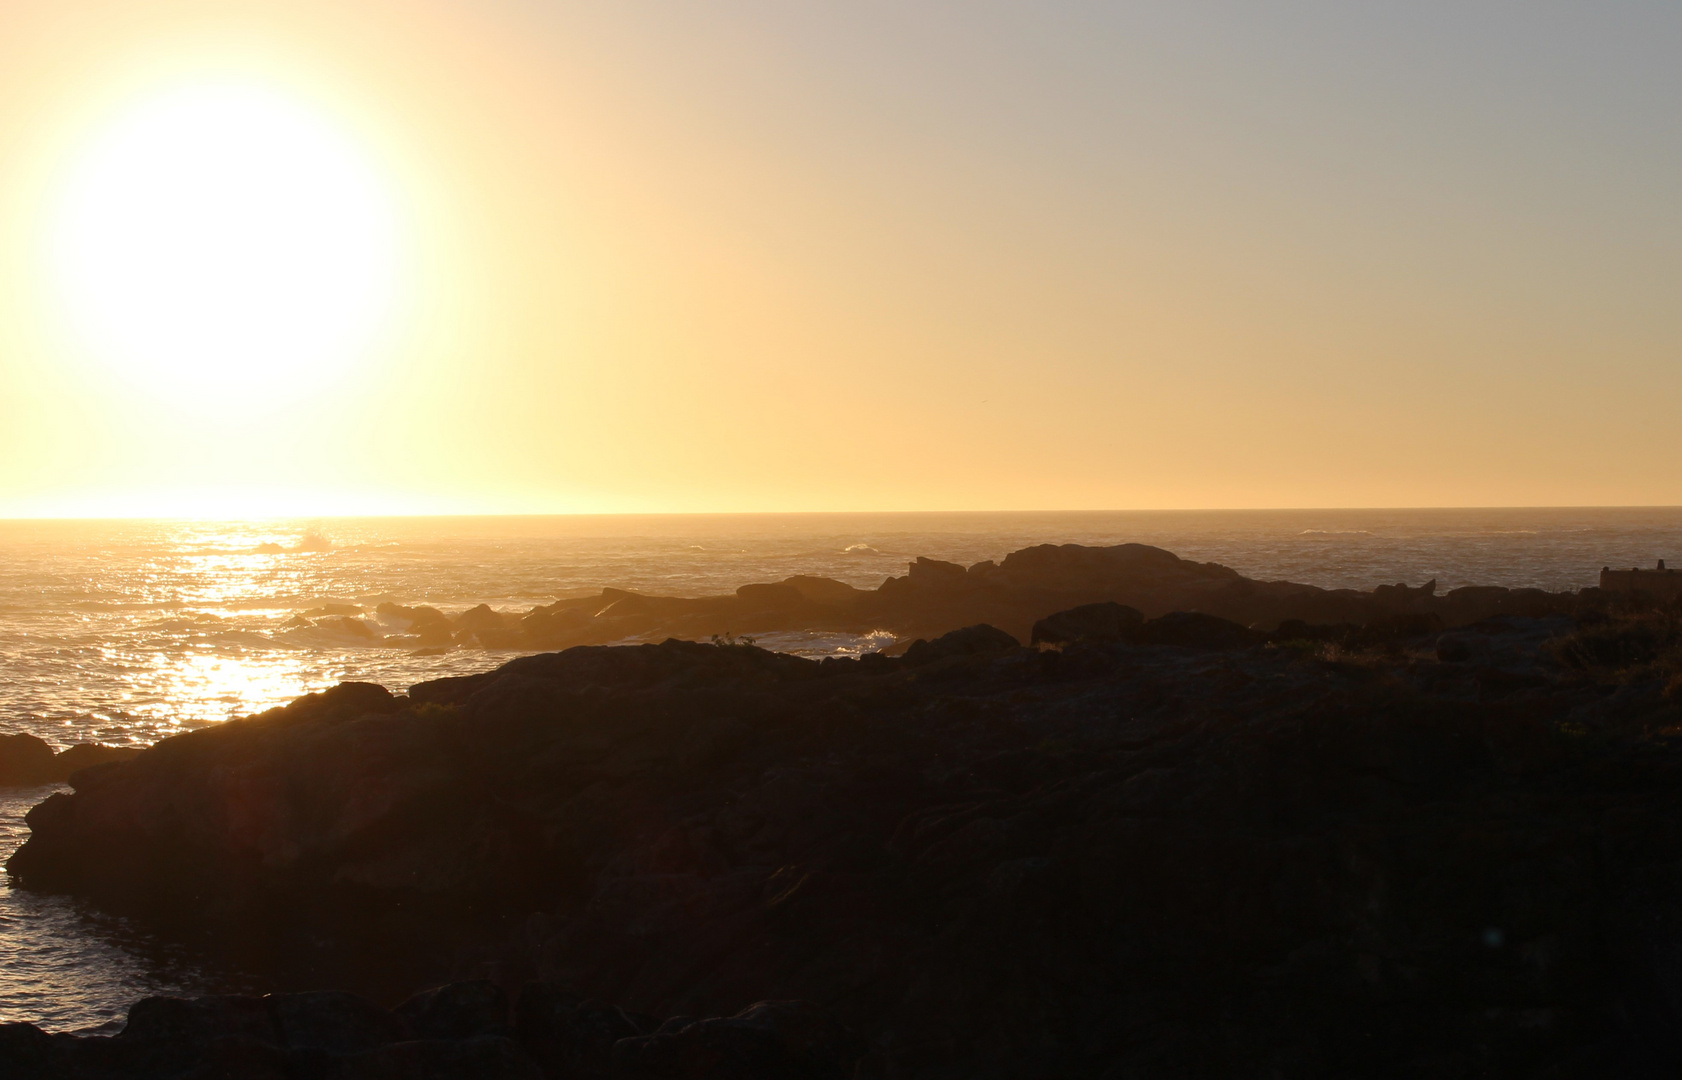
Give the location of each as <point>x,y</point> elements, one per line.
<point>1378,834</point>
<point>931,598</point>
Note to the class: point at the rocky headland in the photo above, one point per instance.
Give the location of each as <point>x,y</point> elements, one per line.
<point>1375,834</point>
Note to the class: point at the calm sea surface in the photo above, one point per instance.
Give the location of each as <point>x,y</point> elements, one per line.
<point>124,632</point>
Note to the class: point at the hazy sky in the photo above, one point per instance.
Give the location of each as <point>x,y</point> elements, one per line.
<point>783,256</point>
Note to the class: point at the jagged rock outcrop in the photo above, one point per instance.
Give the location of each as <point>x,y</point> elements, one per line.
<point>1186,851</point>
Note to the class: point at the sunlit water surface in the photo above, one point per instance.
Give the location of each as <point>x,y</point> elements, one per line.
<point>125,632</point>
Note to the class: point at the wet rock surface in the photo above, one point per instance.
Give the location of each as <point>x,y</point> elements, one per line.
<point>462,1030</point>
<point>1170,846</point>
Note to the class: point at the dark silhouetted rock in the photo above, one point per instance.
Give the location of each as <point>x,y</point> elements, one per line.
<point>349,627</point>
<point>181,1021</point>
<point>88,755</point>
<point>1335,855</point>
<point>507,638</point>
<point>426,627</point>
<point>345,701</point>
<point>770,597</point>
<point>824,591</point>
<point>1195,630</point>
<point>27,1053</point>
<point>25,760</point>
<point>980,640</point>
<point>934,574</point>
<point>619,604</point>
<point>483,617</point>
<point>935,597</point>
<point>558,623</point>
<point>1399,597</point>
<point>1108,621</point>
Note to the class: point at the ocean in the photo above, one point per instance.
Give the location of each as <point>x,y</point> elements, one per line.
<point>125,632</point>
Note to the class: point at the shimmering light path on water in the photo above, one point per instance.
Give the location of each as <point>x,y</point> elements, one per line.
<point>125,632</point>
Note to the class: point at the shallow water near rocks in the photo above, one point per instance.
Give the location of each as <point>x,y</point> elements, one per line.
<point>66,966</point>
<point>126,632</point>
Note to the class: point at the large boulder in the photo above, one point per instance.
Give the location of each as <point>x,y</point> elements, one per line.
<point>824,591</point>
<point>982,640</point>
<point>1108,621</point>
<point>1196,630</point>
<point>1065,568</point>
<point>25,761</point>
<point>483,617</point>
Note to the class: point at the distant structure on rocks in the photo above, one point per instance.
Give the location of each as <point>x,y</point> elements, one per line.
<point>1662,583</point>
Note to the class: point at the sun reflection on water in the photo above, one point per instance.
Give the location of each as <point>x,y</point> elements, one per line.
<point>169,626</point>
<point>228,685</point>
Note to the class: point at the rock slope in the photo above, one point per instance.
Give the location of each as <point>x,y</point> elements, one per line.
<point>1149,847</point>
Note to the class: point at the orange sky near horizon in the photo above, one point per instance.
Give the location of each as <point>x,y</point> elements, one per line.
<point>757,256</point>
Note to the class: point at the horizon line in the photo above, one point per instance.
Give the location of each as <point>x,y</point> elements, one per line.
<point>446,515</point>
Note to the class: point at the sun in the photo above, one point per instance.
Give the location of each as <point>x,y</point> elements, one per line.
<point>224,241</point>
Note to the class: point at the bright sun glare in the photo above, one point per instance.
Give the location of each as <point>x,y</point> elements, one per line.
<point>225,241</point>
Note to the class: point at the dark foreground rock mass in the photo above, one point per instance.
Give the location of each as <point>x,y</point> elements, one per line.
<point>934,597</point>
<point>1163,847</point>
<point>462,1031</point>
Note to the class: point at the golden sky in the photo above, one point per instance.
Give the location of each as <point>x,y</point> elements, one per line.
<point>369,257</point>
